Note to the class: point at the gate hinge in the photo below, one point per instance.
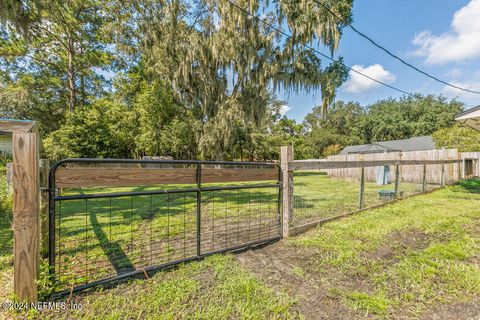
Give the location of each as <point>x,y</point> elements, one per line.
<point>43,189</point>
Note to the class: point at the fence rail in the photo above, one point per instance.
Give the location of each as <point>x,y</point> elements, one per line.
<point>322,164</point>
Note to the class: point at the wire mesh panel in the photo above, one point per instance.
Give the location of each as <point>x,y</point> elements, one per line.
<point>99,234</point>
<point>234,217</point>
<point>341,187</point>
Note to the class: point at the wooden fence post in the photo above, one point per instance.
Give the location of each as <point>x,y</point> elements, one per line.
<point>397,180</point>
<point>442,176</point>
<point>25,215</point>
<point>362,187</point>
<point>424,179</point>
<point>44,168</point>
<point>286,155</point>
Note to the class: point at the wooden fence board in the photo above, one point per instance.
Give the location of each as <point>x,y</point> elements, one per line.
<point>116,177</point>
<point>122,177</point>
<point>409,171</point>
<point>210,175</point>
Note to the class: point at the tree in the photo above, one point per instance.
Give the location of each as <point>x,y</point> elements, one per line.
<point>339,128</point>
<point>64,49</point>
<point>408,117</point>
<point>220,61</point>
<point>104,129</point>
<point>458,137</point>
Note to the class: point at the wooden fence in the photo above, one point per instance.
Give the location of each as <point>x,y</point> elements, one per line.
<point>412,173</point>
<point>445,168</point>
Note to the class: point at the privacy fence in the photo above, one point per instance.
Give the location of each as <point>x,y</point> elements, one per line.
<point>102,220</point>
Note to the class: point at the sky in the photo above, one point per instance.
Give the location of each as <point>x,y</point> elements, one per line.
<point>441,37</point>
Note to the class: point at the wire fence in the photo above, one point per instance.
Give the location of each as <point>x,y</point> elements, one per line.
<point>317,196</point>
<point>103,233</point>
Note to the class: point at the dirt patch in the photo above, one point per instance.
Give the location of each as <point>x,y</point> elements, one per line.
<point>286,268</point>
<point>454,311</point>
<point>413,239</point>
<point>384,252</point>
<point>397,242</point>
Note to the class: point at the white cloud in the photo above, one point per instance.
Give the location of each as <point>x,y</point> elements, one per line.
<point>358,83</point>
<point>461,42</point>
<point>467,97</point>
<point>284,109</point>
<point>454,73</point>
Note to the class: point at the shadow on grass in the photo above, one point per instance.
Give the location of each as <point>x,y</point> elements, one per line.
<point>115,254</point>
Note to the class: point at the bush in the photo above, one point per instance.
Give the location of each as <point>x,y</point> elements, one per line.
<point>457,137</point>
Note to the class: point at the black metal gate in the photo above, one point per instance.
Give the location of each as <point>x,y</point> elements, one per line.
<point>169,212</point>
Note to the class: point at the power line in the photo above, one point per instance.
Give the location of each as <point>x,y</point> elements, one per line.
<point>316,51</point>
<point>392,54</point>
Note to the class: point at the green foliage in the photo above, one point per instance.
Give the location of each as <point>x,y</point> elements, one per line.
<point>332,149</point>
<point>408,117</point>
<point>153,125</point>
<point>103,129</point>
<point>457,137</point>
<point>6,232</point>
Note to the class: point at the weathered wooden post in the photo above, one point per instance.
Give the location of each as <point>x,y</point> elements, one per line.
<point>44,166</point>
<point>424,179</point>
<point>397,180</point>
<point>362,188</point>
<point>25,214</point>
<point>442,176</point>
<point>286,156</point>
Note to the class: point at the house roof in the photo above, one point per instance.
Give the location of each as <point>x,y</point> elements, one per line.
<point>412,144</point>
<point>470,118</point>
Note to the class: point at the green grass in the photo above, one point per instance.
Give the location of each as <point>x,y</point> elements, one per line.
<point>6,239</point>
<point>215,288</point>
<point>412,254</point>
<point>101,237</point>
<point>409,256</point>
<point>318,196</point>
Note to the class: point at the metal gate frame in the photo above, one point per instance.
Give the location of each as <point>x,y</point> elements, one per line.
<point>53,198</point>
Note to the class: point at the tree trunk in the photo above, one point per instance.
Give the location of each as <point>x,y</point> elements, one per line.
<point>72,90</point>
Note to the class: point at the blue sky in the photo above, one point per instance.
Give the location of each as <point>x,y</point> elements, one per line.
<point>441,37</point>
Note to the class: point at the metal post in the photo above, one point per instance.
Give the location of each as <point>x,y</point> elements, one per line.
<point>362,187</point>
<point>199,207</point>
<point>286,156</point>
<point>397,181</point>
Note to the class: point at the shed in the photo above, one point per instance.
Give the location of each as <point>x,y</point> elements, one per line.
<point>421,143</point>
<point>8,127</point>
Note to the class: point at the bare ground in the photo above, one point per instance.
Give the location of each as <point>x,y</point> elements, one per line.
<point>277,264</point>
<point>291,269</point>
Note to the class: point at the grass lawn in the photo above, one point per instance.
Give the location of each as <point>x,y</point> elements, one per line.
<point>317,196</point>
<point>415,258</point>
<point>97,238</point>
<point>101,237</point>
